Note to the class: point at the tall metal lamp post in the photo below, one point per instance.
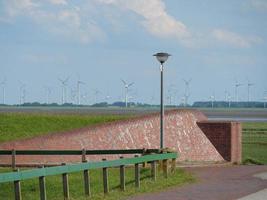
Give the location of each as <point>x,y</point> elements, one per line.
<point>161,57</point>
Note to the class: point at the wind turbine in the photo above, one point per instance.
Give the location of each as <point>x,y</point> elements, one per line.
<point>84,98</point>
<point>79,82</point>
<point>226,95</point>
<point>63,85</point>
<point>265,98</point>
<point>237,85</point>
<point>212,98</point>
<point>172,92</point>
<point>183,100</point>
<point>48,91</point>
<point>22,93</point>
<point>186,93</point>
<point>126,87</point>
<point>249,84</point>
<point>3,83</point>
<point>169,97</point>
<point>73,94</point>
<point>152,99</point>
<point>107,97</point>
<point>96,93</point>
<point>229,100</point>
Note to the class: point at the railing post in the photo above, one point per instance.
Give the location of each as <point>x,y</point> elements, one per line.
<point>86,178</point>
<point>144,163</point>
<point>122,176</point>
<point>137,174</point>
<point>65,185</point>
<point>17,188</point>
<point>13,159</point>
<point>165,167</point>
<point>173,166</point>
<point>83,155</point>
<point>153,170</point>
<point>105,178</point>
<point>42,187</point>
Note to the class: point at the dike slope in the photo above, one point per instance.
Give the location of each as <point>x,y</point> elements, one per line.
<point>181,134</point>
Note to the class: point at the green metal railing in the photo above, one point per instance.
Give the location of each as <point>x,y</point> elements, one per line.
<point>79,152</point>
<point>153,158</point>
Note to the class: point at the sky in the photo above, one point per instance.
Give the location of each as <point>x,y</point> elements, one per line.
<point>213,43</point>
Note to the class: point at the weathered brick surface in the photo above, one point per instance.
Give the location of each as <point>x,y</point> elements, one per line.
<point>226,138</point>
<point>181,133</point>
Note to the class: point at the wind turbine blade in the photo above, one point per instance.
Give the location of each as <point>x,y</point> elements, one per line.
<point>67,79</point>
<point>130,84</point>
<point>123,82</point>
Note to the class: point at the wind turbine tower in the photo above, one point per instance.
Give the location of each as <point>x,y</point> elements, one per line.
<point>186,93</point>
<point>96,92</point>
<point>22,93</point>
<point>126,87</point>
<point>3,83</point>
<point>79,82</point>
<point>107,97</point>
<point>64,86</point>
<point>48,92</point>
<point>237,85</point>
<point>229,100</point>
<point>249,84</point>
<point>212,98</point>
<point>265,98</point>
<point>226,93</point>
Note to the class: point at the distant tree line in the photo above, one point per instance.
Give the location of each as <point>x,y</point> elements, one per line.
<point>100,104</point>
<point>197,104</point>
<point>225,104</point>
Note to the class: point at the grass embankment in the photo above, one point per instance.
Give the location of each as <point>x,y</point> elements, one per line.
<point>30,188</point>
<point>15,126</point>
<point>255,143</point>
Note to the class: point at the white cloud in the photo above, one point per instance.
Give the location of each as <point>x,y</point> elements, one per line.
<point>235,39</point>
<point>260,5</point>
<point>58,2</point>
<point>155,18</point>
<point>66,21</point>
<point>77,22</point>
<point>16,7</point>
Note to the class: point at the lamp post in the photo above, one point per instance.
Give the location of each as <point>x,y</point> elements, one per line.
<point>161,57</point>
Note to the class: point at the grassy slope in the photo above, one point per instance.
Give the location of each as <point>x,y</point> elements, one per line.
<point>15,126</point>
<point>30,190</point>
<point>255,145</point>
<point>22,125</point>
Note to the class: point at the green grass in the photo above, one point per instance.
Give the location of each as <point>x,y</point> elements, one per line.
<point>254,144</point>
<point>30,190</point>
<point>15,126</point>
<point>254,125</point>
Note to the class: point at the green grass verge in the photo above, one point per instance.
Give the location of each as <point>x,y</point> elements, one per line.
<point>15,126</point>
<point>30,188</point>
<point>254,146</point>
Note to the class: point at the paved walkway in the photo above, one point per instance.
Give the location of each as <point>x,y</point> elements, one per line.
<point>217,183</point>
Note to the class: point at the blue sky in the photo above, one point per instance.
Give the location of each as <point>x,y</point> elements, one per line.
<point>213,42</point>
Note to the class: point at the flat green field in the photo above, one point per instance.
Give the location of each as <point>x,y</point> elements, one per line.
<point>30,188</point>
<point>255,142</point>
<point>15,126</point>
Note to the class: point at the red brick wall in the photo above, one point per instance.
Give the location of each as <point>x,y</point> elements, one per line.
<point>181,134</point>
<point>226,138</point>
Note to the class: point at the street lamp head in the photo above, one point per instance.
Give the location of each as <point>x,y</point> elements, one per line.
<point>162,57</point>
